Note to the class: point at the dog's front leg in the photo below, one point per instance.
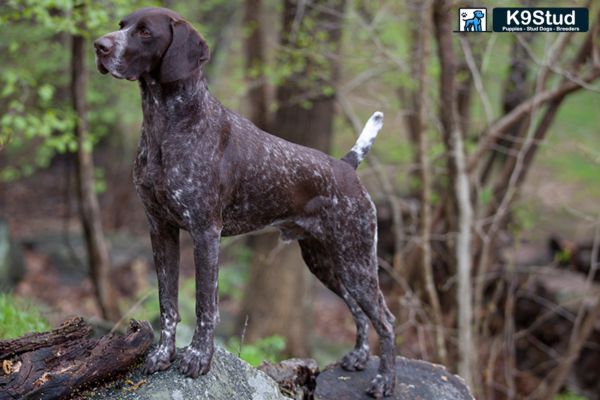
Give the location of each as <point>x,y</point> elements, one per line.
<point>165,247</point>
<point>198,355</point>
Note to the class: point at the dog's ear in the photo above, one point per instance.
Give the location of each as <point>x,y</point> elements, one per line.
<point>187,52</point>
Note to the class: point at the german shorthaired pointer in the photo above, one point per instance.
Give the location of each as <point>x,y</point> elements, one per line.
<point>205,169</point>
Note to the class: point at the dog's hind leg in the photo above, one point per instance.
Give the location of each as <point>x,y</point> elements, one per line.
<point>356,360</point>
<point>362,284</point>
<point>322,266</point>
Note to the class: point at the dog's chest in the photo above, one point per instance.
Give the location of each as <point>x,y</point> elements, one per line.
<point>150,181</point>
<point>175,179</point>
<point>155,184</point>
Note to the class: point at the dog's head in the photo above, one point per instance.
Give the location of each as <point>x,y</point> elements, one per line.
<point>151,40</point>
<point>478,14</point>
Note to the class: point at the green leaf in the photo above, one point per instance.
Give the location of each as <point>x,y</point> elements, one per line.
<point>46,91</point>
<point>328,90</point>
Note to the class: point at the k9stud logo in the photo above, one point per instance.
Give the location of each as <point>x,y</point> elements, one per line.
<point>472,19</point>
<point>549,19</point>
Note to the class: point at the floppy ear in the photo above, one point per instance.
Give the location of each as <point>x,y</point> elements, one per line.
<point>187,52</point>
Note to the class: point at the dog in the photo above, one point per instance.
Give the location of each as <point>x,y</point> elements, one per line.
<point>474,24</point>
<point>203,168</point>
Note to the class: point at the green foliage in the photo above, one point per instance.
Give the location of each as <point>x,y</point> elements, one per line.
<point>265,349</point>
<point>99,180</point>
<point>37,120</point>
<point>18,318</point>
<point>81,17</point>
<point>569,396</point>
<point>31,124</point>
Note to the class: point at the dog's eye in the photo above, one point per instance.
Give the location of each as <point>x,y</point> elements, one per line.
<point>144,32</point>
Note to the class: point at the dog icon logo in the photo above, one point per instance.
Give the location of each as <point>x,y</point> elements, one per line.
<point>472,20</point>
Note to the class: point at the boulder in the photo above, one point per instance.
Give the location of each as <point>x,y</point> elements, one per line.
<point>415,380</point>
<point>229,378</point>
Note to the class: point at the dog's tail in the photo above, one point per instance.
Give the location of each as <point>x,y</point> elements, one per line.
<point>365,140</point>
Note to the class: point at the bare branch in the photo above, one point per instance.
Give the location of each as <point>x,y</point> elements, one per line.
<point>493,132</point>
<point>487,106</point>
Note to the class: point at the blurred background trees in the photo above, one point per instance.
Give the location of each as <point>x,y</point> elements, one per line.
<point>486,177</point>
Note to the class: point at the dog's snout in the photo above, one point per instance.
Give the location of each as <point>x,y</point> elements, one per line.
<point>104,46</point>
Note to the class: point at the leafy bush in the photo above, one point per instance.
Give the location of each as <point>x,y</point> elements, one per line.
<point>18,318</point>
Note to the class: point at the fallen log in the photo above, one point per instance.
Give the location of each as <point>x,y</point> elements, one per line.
<point>70,330</point>
<point>61,362</point>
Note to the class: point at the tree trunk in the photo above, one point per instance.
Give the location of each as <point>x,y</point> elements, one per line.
<point>463,263</point>
<point>89,210</point>
<point>255,62</point>
<point>458,202</point>
<point>277,300</point>
<point>444,220</point>
<point>419,126</point>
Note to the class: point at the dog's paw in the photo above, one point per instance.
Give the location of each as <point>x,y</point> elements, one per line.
<point>356,360</point>
<point>159,359</point>
<point>382,386</point>
<point>195,362</point>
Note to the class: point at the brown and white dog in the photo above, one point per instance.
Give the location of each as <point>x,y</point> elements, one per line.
<point>203,168</point>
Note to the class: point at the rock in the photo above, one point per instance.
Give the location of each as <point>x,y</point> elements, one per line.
<point>11,260</point>
<point>415,380</point>
<point>229,378</point>
<point>296,377</point>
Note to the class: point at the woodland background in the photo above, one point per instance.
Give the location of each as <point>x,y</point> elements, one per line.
<point>486,176</point>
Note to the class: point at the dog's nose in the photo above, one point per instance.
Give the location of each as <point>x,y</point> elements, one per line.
<point>104,46</point>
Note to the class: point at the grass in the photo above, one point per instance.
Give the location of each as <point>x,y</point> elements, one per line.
<point>18,318</point>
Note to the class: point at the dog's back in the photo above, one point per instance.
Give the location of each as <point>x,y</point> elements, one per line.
<point>275,182</point>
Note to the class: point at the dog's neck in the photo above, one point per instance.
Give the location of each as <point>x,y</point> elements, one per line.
<point>183,100</point>
<point>183,92</point>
